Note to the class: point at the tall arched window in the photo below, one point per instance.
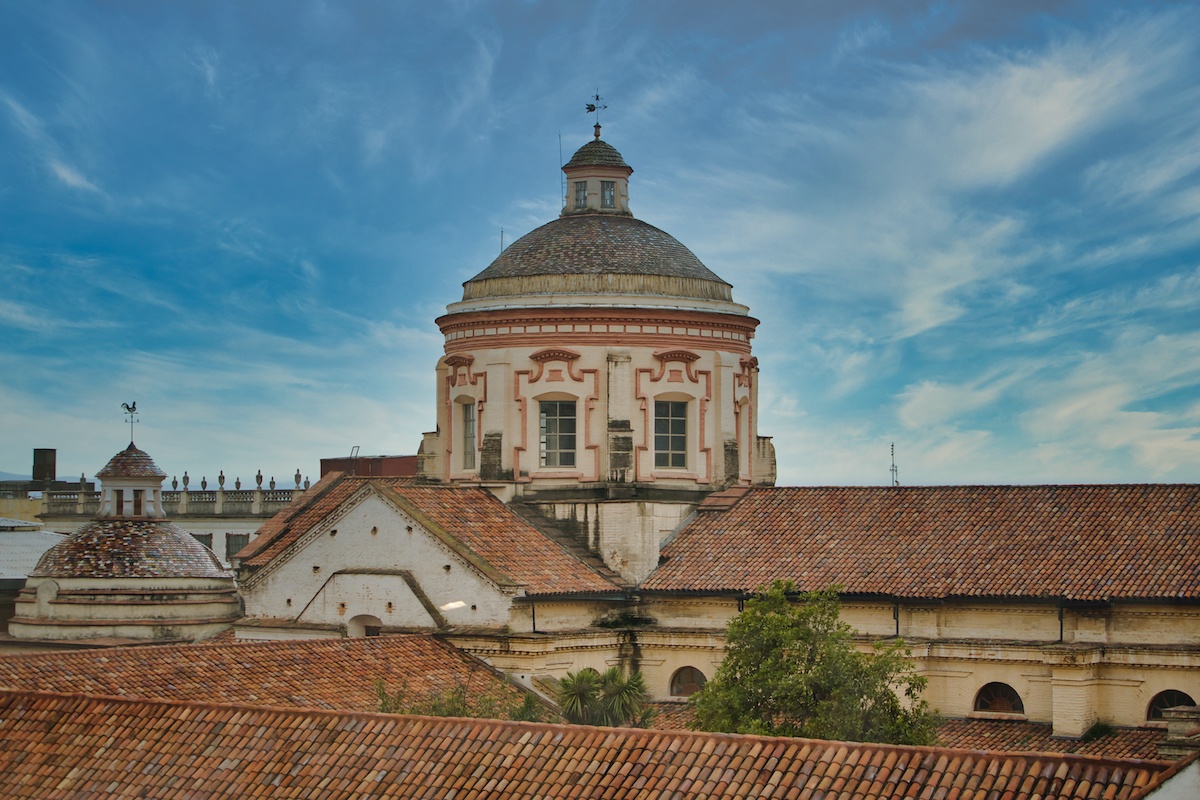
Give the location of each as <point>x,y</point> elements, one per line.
<point>687,681</point>
<point>999,698</point>
<point>1168,699</point>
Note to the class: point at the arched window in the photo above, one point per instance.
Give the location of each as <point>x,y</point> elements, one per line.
<point>687,681</point>
<point>999,698</point>
<point>1168,699</point>
<point>363,625</point>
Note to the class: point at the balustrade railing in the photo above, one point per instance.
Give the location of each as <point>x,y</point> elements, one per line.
<point>257,502</point>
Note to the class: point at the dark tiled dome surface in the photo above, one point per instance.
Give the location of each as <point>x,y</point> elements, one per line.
<point>127,548</point>
<point>597,244</point>
<point>596,153</point>
<point>131,463</point>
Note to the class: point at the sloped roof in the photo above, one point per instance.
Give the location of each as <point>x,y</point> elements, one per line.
<point>174,750</point>
<point>131,463</point>
<point>1084,543</point>
<point>469,519</point>
<point>130,548</point>
<point>21,549</point>
<point>1002,734</point>
<point>989,734</point>
<point>313,673</point>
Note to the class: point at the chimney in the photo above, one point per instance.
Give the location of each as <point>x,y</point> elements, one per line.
<point>44,467</point>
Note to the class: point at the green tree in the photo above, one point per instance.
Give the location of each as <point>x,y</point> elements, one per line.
<point>588,697</point>
<point>460,701</point>
<point>791,669</point>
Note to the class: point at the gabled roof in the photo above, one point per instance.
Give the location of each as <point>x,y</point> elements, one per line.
<point>75,745</point>
<point>468,519</point>
<point>1079,543</point>
<point>313,673</point>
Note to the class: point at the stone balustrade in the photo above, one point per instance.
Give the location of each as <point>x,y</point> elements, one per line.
<point>185,502</point>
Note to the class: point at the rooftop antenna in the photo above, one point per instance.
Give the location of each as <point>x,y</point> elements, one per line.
<point>596,108</point>
<point>502,240</point>
<point>562,176</point>
<point>131,414</point>
<point>895,470</point>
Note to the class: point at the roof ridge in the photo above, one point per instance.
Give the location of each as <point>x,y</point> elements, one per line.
<point>630,733</point>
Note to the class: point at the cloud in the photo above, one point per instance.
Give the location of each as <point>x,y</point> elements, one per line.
<point>72,177</point>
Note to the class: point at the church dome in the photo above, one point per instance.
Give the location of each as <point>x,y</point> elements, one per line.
<point>129,548</point>
<point>597,254</point>
<point>131,463</point>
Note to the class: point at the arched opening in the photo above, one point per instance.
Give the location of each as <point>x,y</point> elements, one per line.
<point>1164,700</point>
<point>363,625</point>
<point>687,681</point>
<point>999,698</point>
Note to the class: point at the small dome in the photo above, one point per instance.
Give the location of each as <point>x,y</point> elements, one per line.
<point>126,548</point>
<point>597,154</point>
<point>597,253</point>
<point>131,463</point>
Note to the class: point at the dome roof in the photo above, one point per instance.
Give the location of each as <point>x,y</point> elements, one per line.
<point>597,153</point>
<point>597,253</point>
<point>131,463</point>
<point>126,548</point>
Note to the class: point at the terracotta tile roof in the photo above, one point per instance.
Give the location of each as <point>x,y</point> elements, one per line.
<point>980,734</point>
<point>1084,543</point>
<point>130,548</point>
<point>485,531</point>
<point>314,673</point>
<point>989,734</point>
<point>81,746</point>
<point>597,244</point>
<point>131,463</point>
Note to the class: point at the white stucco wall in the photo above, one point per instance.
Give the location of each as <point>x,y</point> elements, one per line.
<point>348,566</point>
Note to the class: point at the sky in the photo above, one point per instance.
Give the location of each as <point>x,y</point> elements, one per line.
<point>971,229</point>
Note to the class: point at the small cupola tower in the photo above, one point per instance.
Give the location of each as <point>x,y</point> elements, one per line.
<point>131,486</point>
<point>597,180</point>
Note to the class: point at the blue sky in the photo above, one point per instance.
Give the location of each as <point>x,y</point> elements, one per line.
<point>972,229</point>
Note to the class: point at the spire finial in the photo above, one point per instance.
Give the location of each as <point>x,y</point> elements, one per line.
<point>596,108</point>
<point>130,412</point>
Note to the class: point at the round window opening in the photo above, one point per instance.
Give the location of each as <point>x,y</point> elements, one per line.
<point>999,698</point>
<point>687,681</point>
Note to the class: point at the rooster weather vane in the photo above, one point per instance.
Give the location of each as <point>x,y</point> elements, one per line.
<point>130,412</point>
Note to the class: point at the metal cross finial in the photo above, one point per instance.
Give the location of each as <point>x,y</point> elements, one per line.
<point>130,412</point>
<point>596,108</point>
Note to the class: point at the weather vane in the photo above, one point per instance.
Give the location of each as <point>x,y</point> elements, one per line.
<point>130,412</point>
<point>596,108</point>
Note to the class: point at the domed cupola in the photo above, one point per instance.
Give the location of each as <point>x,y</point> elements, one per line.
<point>600,371</point>
<point>129,574</point>
<point>131,486</point>
<point>596,253</point>
<point>597,180</point>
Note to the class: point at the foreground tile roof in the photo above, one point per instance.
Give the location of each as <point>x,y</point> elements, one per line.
<point>80,746</point>
<point>1074,542</point>
<point>988,734</point>
<point>313,673</point>
<point>468,518</point>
